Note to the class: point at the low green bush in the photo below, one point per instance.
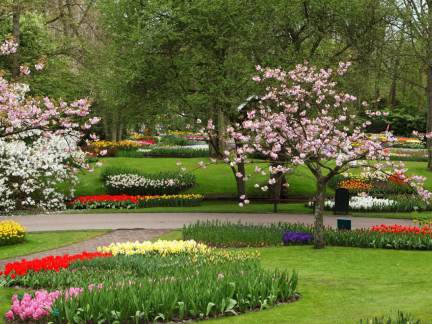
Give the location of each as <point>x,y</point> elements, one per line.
<point>174,152</point>
<point>222,234</point>
<point>135,182</point>
<point>172,288</point>
<point>174,140</point>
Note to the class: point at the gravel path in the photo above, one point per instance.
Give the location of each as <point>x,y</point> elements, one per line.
<point>93,243</point>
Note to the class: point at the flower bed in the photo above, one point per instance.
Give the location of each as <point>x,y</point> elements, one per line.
<point>372,184</point>
<point>175,152</point>
<point>151,287</point>
<point>401,229</point>
<point>112,147</point>
<point>401,203</point>
<point>246,235</point>
<point>11,232</point>
<point>129,201</point>
<point>52,263</point>
<point>161,247</point>
<point>134,182</point>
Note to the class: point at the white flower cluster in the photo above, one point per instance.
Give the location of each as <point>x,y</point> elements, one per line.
<point>365,203</point>
<point>31,172</point>
<point>125,181</point>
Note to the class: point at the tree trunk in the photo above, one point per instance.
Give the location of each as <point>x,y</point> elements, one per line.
<point>318,215</point>
<point>241,184</point>
<point>429,115</point>
<point>221,131</point>
<point>16,32</point>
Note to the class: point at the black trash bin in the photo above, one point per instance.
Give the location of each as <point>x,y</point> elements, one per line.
<point>341,206</point>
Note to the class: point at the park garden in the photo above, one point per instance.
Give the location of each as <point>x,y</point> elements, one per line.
<point>223,108</point>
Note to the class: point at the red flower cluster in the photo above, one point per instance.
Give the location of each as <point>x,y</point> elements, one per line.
<point>402,229</point>
<point>397,179</point>
<point>146,142</point>
<point>49,263</point>
<point>109,198</point>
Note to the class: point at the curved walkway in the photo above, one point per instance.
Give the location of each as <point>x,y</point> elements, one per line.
<point>93,243</point>
<point>63,221</point>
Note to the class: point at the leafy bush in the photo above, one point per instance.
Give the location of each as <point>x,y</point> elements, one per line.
<point>179,152</point>
<point>151,288</point>
<point>174,140</point>
<point>244,235</point>
<point>135,182</point>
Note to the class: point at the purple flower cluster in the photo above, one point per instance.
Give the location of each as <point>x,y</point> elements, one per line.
<point>297,238</point>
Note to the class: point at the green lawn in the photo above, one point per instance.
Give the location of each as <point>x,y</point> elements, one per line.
<point>37,242</point>
<point>215,180</point>
<point>343,285</point>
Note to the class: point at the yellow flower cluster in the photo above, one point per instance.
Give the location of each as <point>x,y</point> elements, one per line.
<point>187,196</point>
<point>161,247</point>
<point>103,145</point>
<point>180,133</point>
<point>11,231</point>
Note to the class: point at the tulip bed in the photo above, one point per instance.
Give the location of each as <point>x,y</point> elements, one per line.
<point>11,233</point>
<point>130,201</point>
<point>222,234</point>
<point>146,282</point>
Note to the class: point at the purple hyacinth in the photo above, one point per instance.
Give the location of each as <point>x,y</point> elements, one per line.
<point>297,238</point>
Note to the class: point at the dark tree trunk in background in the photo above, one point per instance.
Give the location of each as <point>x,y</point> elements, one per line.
<point>16,32</point>
<point>429,115</point>
<point>221,131</point>
<point>240,182</point>
<point>318,214</point>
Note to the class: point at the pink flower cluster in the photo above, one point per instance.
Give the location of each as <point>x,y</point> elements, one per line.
<point>8,47</point>
<point>40,305</point>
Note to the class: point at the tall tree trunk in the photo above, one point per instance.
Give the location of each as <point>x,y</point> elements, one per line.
<point>429,115</point>
<point>114,126</point>
<point>16,32</point>
<point>241,183</point>
<point>318,214</point>
<point>221,130</point>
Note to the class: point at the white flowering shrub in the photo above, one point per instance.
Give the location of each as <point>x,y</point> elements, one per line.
<point>165,183</point>
<point>366,203</point>
<point>397,203</point>
<point>31,172</point>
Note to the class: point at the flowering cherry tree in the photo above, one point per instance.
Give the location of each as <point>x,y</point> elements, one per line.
<point>303,119</point>
<point>38,142</point>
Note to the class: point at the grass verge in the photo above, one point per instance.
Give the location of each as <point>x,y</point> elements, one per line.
<point>44,241</point>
